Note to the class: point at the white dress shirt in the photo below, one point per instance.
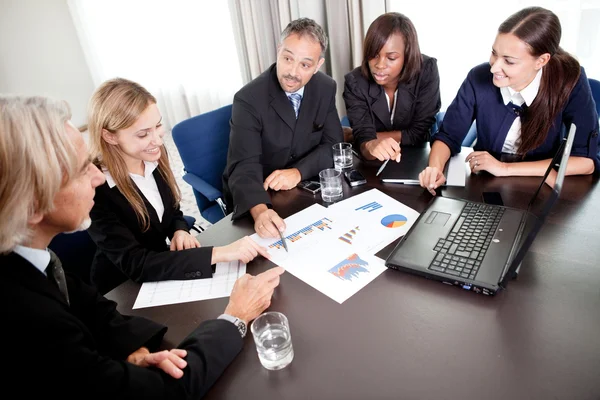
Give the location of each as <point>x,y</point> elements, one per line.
<point>146,184</point>
<point>527,95</point>
<point>393,110</point>
<point>39,258</point>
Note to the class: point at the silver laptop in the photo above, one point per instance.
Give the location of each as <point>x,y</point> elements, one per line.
<point>477,246</point>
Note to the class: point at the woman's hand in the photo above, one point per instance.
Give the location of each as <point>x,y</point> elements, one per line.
<point>483,161</point>
<point>183,240</point>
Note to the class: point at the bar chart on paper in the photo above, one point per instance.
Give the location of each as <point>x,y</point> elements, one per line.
<point>321,225</point>
<point>350,268</point>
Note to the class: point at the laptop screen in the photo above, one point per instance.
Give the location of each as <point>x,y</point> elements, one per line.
<point>542,208</point>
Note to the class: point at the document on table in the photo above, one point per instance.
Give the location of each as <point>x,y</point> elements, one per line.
<point>172,292</point>
<point>458,169</point>
<point>332,249</point>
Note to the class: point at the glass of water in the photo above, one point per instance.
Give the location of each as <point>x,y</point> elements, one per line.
<point>342,156</point>
<point>331,184</point>
<point>271,332</point>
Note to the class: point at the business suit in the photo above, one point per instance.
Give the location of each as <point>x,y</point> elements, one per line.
<point>124,251</point>
<point>417,103</point>
<point>265,136</point>
<point>79,351</point>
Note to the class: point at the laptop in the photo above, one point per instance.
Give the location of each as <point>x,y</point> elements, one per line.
<point>473,245</point>
<point>415,160</point>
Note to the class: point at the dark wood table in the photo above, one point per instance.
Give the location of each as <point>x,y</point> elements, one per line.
<point>406,337</point>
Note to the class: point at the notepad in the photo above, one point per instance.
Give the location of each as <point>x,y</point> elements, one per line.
<point>414,161</point>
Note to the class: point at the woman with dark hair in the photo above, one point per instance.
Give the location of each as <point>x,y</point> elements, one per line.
<point>520,102</point>
<point>393,97</point>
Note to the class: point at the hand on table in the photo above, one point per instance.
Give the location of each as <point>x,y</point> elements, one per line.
<point>283,179</point>
<point>483,161</point>
<point>267,223</point>
<point>183,240</point>
<point>244,249</point>
<point>383,149</point>
<point>170,361</point>
<point>431,178</point>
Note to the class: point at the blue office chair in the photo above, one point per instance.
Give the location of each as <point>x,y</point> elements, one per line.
<point>202,142</point>
<point>468,141</point>
<point>345,121</point>
<point>76,250</point>
<point>595,85</point>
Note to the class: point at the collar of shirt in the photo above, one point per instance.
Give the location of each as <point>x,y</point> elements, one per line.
<point>149,168</point>
<point>299,91</point>
<point>526,95</point>
<point>39,258</point>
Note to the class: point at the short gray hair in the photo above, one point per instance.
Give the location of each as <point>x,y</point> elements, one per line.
<point>36,158</point>
<point>306,26</point>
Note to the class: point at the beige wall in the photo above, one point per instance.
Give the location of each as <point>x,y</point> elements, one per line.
<point>40,53</point>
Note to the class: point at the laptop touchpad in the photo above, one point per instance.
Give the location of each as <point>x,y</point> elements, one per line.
<point>438,218</point>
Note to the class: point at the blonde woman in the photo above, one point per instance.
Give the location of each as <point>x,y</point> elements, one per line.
<point>137,208</point>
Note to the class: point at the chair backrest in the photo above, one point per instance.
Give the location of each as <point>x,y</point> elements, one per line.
<point>202,142</point>
<point>595,85</point>
<point>468,141</point>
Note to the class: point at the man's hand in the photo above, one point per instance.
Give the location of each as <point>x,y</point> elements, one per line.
<point>382,149</point>
<point>251,295</point>
<point>244,249</point>
<point>183,240</point>
<point>267,223</point>
<point>170,361</point>
<point>283,179</point>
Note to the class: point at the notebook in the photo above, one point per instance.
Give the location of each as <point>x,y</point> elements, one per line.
<point>415,160</point>
<point>477,246</point>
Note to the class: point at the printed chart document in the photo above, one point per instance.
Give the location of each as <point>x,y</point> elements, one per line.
<point>332,249</point>
<point>172,292</point>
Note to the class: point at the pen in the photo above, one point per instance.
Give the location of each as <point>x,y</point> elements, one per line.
<point>281,237</point>
<point>385,163</point>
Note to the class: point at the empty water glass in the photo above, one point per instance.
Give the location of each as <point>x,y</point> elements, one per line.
<point>331,184</point>
<point>271,332</point>
<point>342,156</point>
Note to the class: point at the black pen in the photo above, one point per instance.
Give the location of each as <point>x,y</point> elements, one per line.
<point>281,236</point>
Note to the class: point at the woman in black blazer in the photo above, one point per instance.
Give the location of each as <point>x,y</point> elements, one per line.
<point>393,97</point>
<point>137,208</point>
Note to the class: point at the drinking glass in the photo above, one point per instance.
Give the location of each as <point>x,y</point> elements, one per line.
<point>342,156</point>
<point>331,184</point>
<point>271,332</point>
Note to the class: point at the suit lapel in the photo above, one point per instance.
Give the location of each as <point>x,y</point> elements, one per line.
<point>379,105</point>
<point>279,101</point>
<point>22,271</point>
<point>404,103</point>
<point>166,197</point>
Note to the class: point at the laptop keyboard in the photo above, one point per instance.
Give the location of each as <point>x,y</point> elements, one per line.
<point>461,252</point>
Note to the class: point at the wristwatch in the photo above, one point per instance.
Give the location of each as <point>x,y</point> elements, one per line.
<point>239,323</point>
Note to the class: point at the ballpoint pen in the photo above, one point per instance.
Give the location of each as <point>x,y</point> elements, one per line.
<point>281,237</point>
<point>385,163</point>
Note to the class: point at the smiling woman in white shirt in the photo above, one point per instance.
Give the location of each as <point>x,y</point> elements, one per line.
<point>520,102</point>
<point>137,209</point>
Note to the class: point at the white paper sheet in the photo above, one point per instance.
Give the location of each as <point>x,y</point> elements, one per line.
<point>332,249</point>
<point>154,294</point>
<point>458,169</point>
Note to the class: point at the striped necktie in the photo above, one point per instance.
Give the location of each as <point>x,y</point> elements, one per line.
<point>295,98</point>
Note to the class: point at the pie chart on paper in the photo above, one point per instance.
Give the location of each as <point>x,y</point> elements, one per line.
<point>393,221</point>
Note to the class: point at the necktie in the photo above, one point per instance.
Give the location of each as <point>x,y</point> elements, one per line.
<point>518,110</point>
<point>295,99</point>
<point>56,274</point>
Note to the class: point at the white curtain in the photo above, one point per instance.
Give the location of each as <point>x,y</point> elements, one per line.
<point>461,40</point>
<point>182,51</point>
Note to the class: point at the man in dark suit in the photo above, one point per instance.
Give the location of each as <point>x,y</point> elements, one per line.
<point>60,337</point>
<point>283,126</point>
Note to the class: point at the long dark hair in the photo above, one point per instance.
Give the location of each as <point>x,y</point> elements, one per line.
<point>540,29</point>
<point>378,34</point>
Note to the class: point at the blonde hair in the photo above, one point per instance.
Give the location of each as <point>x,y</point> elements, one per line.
<point>36,158</point>
<point>116,105</point>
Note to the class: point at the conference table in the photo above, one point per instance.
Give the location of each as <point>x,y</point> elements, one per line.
<point>407,337</point>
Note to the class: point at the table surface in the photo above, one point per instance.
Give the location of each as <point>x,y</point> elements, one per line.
<point>406,337</point>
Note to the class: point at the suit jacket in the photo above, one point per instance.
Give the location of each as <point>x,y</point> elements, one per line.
<point>266,136</point>
<point>79,351</point>
<point>417,103</point>
<point>480,100</point>
<point>124,251</point>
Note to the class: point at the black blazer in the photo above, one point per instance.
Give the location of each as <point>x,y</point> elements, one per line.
<point>417,103</point>
<point>79,351</point>
<point>124,251</point>
<point>266,136</point>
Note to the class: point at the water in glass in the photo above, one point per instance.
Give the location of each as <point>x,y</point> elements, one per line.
<point>274,346</point>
